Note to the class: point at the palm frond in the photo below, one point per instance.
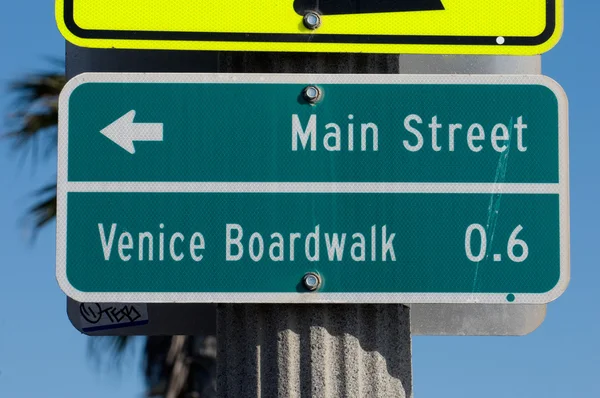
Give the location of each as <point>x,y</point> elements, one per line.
<point>38,87</point>
<point>155,363</point>
<point>35,117</point>
<point>173,366</point>
<point>32,130</point>
<point>37,131</point>
<point>111,352</point>
<point>184,368</point>
<point>43,211</point>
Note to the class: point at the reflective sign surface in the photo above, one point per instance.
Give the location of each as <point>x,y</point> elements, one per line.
<point>517,27</point>
<point>408,189</point>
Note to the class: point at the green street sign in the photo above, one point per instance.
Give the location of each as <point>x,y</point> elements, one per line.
<point>313,188</point>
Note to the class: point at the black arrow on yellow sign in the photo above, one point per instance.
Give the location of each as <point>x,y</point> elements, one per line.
<point>336,7</point>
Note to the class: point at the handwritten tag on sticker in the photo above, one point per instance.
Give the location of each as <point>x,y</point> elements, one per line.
<point>103,316</point>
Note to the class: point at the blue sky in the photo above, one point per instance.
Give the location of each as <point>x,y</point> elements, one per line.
<point>41,354</point>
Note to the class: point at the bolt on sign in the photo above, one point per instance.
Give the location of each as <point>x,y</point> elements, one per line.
<point>313,188</point>
<point>514,27</point>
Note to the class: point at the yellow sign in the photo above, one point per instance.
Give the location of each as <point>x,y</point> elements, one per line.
<point>516,27</point>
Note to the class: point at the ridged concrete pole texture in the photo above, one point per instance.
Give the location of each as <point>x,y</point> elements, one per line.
<point>294,351</point>
<point>331,350</point>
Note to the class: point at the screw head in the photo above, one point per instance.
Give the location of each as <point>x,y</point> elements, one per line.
<point>311,94</point>
<point>311,281</point>
<point>312,20</point>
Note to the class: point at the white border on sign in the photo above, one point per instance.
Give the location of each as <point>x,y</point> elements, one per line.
<point>64,186</point>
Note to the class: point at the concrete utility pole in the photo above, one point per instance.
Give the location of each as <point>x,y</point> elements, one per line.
<point>328,350</point>
<point>318,350</point>
<point>274,350</point>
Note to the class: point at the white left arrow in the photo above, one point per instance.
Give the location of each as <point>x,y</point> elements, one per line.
<point>124,131</point>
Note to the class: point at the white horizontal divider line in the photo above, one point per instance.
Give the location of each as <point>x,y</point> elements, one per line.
<point>315,187</point>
